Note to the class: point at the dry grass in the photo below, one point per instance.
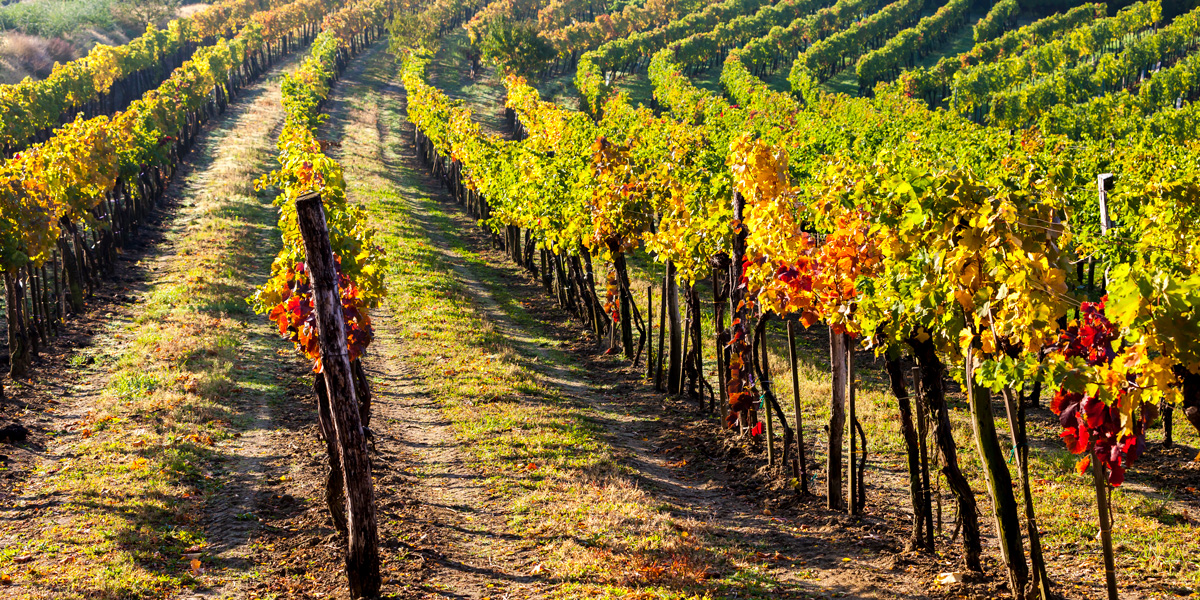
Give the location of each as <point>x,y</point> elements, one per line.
<point>188,10</point>
<point>29,54</point>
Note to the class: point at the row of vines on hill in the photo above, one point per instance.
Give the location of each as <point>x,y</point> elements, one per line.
<point>109,77</point>
<point>68,204</point>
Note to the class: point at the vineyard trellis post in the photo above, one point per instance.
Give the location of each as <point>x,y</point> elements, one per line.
<point>854,506</point>
<point>999,480</point>
<point>1104,183</point>
<point>662,330</point>
<point>915,455</point>
<point>768,430</point>
<point>720,281</point>
<point>1110,569</point>
<point>675,362</point>
<point>1015,409</point>
<point>837,420</point>
<point>650,331</point>
<point>802,468</point>
<point>922,410</point>
<point>362,553</point>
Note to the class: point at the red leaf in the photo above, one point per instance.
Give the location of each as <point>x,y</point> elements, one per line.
<point>1076,439</point>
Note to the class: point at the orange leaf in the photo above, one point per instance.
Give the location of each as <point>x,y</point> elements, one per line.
<point>1082,466</point>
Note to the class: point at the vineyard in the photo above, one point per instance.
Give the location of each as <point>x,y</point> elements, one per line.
<point>578,299</point>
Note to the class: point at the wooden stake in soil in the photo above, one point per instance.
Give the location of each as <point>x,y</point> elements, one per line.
<point>362,552</point>
<point>650,331</point>
<point>662,329</point>
<point>837,421</point>
<point>1110,569</point>
<point>853,483</point>
<point>769,430</point>
<point>803,476</point>
<point>922,435</point>
<point>675,348</point>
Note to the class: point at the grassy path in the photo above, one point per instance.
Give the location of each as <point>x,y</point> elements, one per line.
<point>483,93</point>
<point>460,539</point>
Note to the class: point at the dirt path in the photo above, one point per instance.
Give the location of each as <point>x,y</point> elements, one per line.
<point>463,541</point>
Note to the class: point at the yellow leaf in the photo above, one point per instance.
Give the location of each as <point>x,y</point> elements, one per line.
<point>965,300</point>
<point>988,342</point>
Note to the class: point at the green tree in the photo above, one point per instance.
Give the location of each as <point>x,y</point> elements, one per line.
<point>516,47</point>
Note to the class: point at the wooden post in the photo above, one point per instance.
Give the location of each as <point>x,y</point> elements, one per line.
<point>362,553</point>
<point>853,483</point>
<point>650,331</point>
<point>769,430</point>
<point>922,435</point>
<point>837,421</point>
<point>662,329</point>
<point>719,276</point>
<point>675,353</point>
<point>791,331</point>
<point>1104,183</point>
<point>999,480</point>
<point>18,338</point>
<point>697,334</point>
<point>1015,409</point>
<point>1110,569</point>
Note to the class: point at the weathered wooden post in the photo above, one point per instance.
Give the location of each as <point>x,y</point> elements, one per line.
<point>852,484</point>
<point>1104,184</point>
<point>803,471</point>
<point>837,420</point>
<point>675,333</point>
<point>769,431</point>
<point>650,331</point>
<point>1101,482</point>
<point>362,552</point>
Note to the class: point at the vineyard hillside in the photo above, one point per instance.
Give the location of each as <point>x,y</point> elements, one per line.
<point>637,299</point>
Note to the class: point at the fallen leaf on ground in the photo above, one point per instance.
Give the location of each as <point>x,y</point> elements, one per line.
<point>946,578</point>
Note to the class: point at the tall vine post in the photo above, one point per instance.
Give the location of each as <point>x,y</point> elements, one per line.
<point>1110,569</point>
<point>999,481</point>
<point>853,485</point>
<point>912,446</point>
<point>362,553</point>
<point>802,468</point>
<point>1015,410</point>
<point>837,420</point>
